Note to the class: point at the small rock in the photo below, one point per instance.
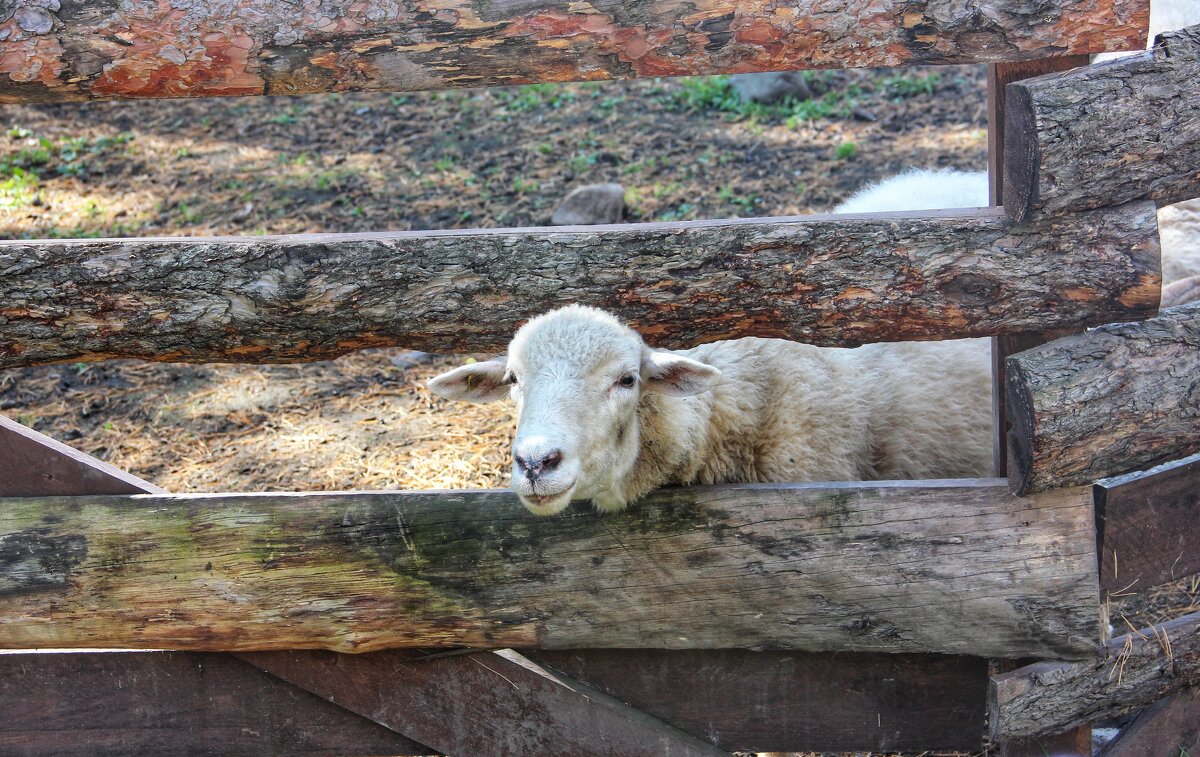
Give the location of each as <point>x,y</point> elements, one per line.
<point>769,87</point>
<point>34,20</point>
<point>591,204</point>
<point>411,359</point>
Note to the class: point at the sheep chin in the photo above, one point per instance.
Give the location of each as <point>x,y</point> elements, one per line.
<point>547,504</point>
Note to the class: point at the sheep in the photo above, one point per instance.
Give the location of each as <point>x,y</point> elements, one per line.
<point>602,416</point>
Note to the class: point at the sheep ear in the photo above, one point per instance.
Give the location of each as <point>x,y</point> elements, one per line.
<point>676,375</point>
<point>477,382</point>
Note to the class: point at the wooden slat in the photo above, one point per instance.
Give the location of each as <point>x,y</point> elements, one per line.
<point>157,703</point>
<point>953,566</point>
<point>143,48</point>
<point>827,280</point>
<point>1131,671</point>
<point>482,703</point>
<point>1168,728</point>
<point>793,701</point>
<point>1115,132</point>
<point>32,464</point>
<point>1148,526</point>
<point>1116,399</point>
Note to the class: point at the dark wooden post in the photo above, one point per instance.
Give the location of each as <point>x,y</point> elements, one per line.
<point>1077,741</point>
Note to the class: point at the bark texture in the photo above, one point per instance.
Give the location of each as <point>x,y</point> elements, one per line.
<point>824,280</point>
<point>1119,398</point>
<point>87,49</point>
<point>1132,671</point>
<point>1148,526</point>
<point>958,566</point>
<point>1113,132</point>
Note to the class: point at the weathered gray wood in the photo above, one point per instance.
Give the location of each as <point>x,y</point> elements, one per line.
<point>1131,671</point>
<point>1118,398</point>
<point>952,566</point>
<point>32,464</point>
<point>821,279</point>
<point>171,703</point>
<point>1113,132</point>
<point>1168,728</point>
<point>1148,526</point>
<point>796,701</point>
<point>482,703</point>
<point>77,50</point>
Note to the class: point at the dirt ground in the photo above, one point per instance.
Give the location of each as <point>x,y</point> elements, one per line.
<point>504,157</point>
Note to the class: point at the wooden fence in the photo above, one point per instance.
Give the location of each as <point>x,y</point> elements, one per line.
<point>701,621</point>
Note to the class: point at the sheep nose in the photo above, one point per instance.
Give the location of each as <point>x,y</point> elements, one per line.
<point>534,467</point>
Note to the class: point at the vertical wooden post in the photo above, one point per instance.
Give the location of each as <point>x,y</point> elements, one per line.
<point>1078,742</point>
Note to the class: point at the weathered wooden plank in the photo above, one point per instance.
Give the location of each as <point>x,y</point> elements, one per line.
<point>1131,671</point>
<point>795,701</point>
<point>481,703</point>
<point>142,48</point>
<point>829,280</point>
<point>1114,132</point>
<point>951,566</point>
<point>167,703</point>
<point>1118,398</point>
<point>1168,728</point>
<point>1148,526</point>
<point>32,464</point>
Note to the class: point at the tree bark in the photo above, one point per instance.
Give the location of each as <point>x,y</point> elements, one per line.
<point>1110,133</point>
<point>824,280</point>
<point>1119,398</point>
<point>76,50</point>
<point>1132,671</point>
<point>956,566</point>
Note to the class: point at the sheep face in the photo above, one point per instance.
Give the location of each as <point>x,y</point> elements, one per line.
<point>577,376</point>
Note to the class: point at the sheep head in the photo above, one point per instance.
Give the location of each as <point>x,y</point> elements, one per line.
<point>577,376</point>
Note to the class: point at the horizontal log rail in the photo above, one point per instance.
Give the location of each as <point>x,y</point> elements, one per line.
<point>1119,398</point>
<point>1106,134</point>
<point>960,567</point>
<point>1131,671</point>
<point>827,280</point>
<point>1148,526</point>
<point>142,48</point>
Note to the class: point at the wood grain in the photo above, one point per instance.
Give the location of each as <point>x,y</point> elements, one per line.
<point>482,703</point>
<point>171,703</point>
<point>1116,399</point>
<point>1148,526</point>
<point>827,280</point>
<point>1131,671</point>
<point>77,50</point>
<point>795,701</point>
<point>955,566</point>
<point>1114,132</point>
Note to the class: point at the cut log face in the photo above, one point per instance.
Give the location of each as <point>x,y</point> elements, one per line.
<point>954,566</point>
<point>826,280</point>
<point>1113,132</point>
<point>1132,671</point>
<point>144,48</point>
<point>1116,399</point>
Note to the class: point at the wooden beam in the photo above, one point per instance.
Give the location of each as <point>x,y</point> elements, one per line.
<point>943,566</point>
<point>1118,131</point>
<point>793,701</point>
<point>482,703</point>
<point>1169,727</point>
<point>1118,398</point>
<point>33,464</point>
<point>828,280</point>
<point>142,48</point>
<point>170,703</point>
<point>1131,671</point>
<point>1148,526</point>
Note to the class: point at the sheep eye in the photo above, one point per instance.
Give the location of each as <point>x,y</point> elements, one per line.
<point>510,378</point>
<point>627,380</point>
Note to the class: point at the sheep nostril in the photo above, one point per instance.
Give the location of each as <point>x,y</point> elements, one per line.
<point>552,461</point>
